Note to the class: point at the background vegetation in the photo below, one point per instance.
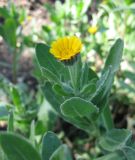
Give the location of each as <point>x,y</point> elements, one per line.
<point>25,107</point>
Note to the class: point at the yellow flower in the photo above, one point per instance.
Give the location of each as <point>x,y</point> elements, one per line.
<point>92,29</point>
<point>29,18</point>
<point>105,1</point>
<point>66,48</point>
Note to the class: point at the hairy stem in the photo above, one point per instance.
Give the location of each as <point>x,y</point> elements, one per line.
<point>14,67</point>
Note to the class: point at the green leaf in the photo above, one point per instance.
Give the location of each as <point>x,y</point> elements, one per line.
<point>87,75</point>
<point>129,152</point>
<point>129,2</point>
<point>2,155</point>
<point>86,5</point>
<point>11,122</point>
<point>46,118</point>
<point>115,139</point>
<point>46,28</point>
<point>106,80</point>
<point>10,32</point>
<point>51,97</point>
<point>77,107</point>
<point>17,148</point>
<point>88,90</point>
<point>113,156</point>
<point>56,101</point>
<point>32,132</point>
<point>4,12</point>
<point>103,88</point>
<point>49,145</point>
<point>50,75</point>
<point>16,98</point>
<point>119,142</point>
<point>80,113</point>
<point>47,61</point>
<point>67,88</point>
<point>115,55</point>
<point>62,153</point>
<point>60,90</point>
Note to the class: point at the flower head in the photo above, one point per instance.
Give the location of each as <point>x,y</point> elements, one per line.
<point>105,1</point>
<point>66,48</point>
<point>92,29</point>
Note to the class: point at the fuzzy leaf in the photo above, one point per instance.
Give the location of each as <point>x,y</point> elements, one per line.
<point>115,55</point>
<point>49,144</point>
<point>47,61</point>
<point>17,148</point>
<point>77,107</point>
<point>62,153</point>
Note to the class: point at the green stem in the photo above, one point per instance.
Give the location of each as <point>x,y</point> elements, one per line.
<point>32,132</point>
<point>107,117</point>
<point>72,73</point>
<point>14,68</point>
<point>11,122</point>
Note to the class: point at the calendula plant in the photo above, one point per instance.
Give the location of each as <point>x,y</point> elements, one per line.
<point>79,96</point>
<point>71,81</point>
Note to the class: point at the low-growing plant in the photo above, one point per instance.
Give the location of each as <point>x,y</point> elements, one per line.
<point>11,24</point>
<point>79,96</point>
<point>23,106</point>
<point>77,93</point>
